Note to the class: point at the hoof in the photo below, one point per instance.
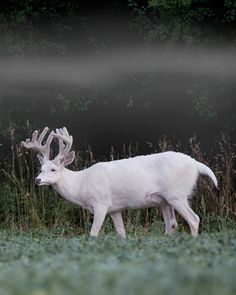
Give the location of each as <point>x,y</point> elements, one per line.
<point>92,240</point>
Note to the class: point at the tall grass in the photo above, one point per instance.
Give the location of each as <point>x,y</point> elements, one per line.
<point>25,206</point>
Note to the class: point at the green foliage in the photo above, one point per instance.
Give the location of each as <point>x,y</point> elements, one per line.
<point>183,9</point>
<point>27,12</point>
<point>61,262</point>
<point>181,21</point>
<point>230,14</point>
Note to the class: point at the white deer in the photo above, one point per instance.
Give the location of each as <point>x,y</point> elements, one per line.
<point>165,179</point>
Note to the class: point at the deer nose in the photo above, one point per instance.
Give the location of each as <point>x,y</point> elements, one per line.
<point>37,180</point>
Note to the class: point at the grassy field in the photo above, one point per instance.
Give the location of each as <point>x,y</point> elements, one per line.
<point>45,248</point>
<point>62,262</point>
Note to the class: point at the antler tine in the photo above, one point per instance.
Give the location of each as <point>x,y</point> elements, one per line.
<point>63,136</point>
<point>34,136</point>
<point>47,145</point>
<point>70,141</point>
<point>36,142</point>
<point>61,144</point>
<point>42,135</point>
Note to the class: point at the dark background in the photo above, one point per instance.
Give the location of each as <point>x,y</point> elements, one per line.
<point>117,72</point>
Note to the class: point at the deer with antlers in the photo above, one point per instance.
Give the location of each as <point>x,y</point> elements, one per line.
<point>166,180</point>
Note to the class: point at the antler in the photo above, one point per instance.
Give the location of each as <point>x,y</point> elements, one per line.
<point>63,136</point>
<point>36,143</point>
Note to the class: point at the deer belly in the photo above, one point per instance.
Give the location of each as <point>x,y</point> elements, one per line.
<point>134,202</point>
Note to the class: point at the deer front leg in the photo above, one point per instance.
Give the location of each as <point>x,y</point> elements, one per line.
<point>99,216</point>
<point>118,223</point>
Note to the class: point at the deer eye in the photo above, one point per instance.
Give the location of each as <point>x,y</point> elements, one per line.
<point>53,170</point>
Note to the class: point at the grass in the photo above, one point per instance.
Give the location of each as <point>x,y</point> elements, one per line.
<point>61,262</point>
<point>25,206</point>
<point>45,248</point>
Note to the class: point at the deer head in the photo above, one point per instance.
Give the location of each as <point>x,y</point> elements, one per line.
<point>51,170</point>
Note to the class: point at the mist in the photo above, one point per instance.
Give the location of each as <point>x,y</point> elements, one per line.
<point>113,91</point>
<point>105,69</point>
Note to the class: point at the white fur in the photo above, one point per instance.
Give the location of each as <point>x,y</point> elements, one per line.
<point>165,179</point>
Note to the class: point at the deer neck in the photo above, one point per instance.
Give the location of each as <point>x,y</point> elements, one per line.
<point>69,185</point>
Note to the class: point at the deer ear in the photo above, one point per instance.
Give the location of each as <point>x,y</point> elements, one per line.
<point>68,159</point>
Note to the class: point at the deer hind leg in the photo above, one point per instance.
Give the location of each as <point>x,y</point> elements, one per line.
<point>168,214</point>
<point>118,223</point>
<point>167,211</point>
<point>183,208</point>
